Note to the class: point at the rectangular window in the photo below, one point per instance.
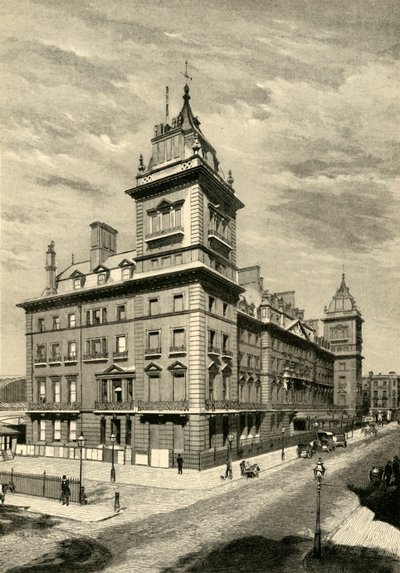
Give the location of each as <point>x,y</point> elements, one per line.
<point>128,432</point>
<point>77,283</point>
<point>72,391</point>
<point>153,340</point>
<point>153,306</point>
<point>211,304</point>
<point>40,325</point>
<point>96,348</point>
<point>166,261</point>
<point>211,387</point>
<point>178,217</point>
<point>72,431</point>
<point>154,263</point>
<point>72,354</point>
<point>96,316</point>
<point>178,338</point>
<point>71,320</point>
<point>56,323</point>
<point>178,259</point>
<point>121,312</point>
<point>225,342</point>
<point>249,361</point>
<point>42,430</point>
<point>42,390</point>
<point>103,423</point>
<point>121,343</point>
<point>225,387</point>
<point>56,352</point>
<point>212,338</point>
<point>224,309</point>
<point>41,353</point>
<point>178,302</point>
<point>57,430</point>
<point>56,391</point>
<point>101,278</point>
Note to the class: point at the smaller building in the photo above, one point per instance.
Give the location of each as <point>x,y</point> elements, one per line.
<point>381,395</point>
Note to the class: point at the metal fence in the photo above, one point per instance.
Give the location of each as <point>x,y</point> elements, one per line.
<point>40,485</point>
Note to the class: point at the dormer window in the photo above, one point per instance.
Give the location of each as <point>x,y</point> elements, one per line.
<point>101,278</point>
<point>78,280</point>
<point>127,267</point>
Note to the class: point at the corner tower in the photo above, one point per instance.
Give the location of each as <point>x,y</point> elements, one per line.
<point>343,330</point>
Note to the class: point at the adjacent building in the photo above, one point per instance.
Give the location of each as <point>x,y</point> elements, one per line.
<point>381,395</point>
<point>170,348</point>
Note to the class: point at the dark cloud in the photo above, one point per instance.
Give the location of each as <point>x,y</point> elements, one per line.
<point>76,184</point>
<point>314,167</point>
<point>50,65</point>
<point>348,221</point>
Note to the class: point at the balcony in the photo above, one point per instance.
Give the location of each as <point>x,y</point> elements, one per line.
<point>165,233</point>
<point>216,236</point>
<point>120,355</point>
<point>152,351</point>
<point>114,406</point>
<point>96,357</point>
<point>178,349</point>
<point>226,353</point>
<point>214,350</point>
<point>163,406</point>
<point>218,405</point>
<point>54,407</point>
<point>55,360</point>
<point>70,359</point>
<point>40,361</point>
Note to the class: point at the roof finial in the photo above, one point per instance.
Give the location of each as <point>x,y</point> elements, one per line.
<point>167,105</point>
<point>141,167</point>
<point>72,259</point>
<point>186,75</point>
<point>230,178</point>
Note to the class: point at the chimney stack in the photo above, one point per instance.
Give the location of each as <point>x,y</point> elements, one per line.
<point>103,243</point>
<point>51,268</point>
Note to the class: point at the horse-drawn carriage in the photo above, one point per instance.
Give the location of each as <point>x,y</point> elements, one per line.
<point>305,450</point>
<point>249,470</point>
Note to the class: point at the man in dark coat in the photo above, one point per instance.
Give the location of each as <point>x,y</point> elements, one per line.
<point>65,491</point>
<point>387,474</point>
<point>179,461</point>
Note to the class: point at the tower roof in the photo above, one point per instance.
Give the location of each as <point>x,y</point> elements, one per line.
<point>342,300</point>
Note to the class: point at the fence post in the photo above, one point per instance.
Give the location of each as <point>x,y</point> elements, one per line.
<point>44,483</point>
<point>12,476</point>
<point>199,461</point>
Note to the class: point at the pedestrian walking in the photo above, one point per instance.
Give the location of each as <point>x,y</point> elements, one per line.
<point>396,470</point>
<point>65,491</point>
<point>179,461</point>
<point>228,471</point>
<point>387,473</point>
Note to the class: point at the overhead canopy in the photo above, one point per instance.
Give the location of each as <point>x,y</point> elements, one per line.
<point>7,431</point>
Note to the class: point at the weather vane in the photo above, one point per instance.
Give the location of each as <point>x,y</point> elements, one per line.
<point>186,71</point>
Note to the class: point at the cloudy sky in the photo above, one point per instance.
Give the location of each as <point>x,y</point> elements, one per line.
<point>300,99</point>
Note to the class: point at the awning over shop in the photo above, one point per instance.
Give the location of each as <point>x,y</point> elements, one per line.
<point>7,431</point>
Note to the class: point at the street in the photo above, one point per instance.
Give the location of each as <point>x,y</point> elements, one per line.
<point>262,524</point>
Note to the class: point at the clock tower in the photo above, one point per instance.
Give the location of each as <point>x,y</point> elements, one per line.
<point>343,330</point>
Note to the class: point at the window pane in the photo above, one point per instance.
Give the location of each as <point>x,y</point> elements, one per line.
<point>178,337</point>
<point>154,338</point>
<point>165,221</point>
<point>178,217</point>
<point>178,303</point>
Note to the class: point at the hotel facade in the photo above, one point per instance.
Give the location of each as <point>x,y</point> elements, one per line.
<point>171,347</point>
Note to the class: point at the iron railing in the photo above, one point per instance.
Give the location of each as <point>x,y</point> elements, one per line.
<point>58,406</point>
<point>40,485</point>
<point>120,406</point>
<point>164,405</point>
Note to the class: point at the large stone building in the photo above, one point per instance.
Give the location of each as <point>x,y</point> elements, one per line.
<point>170,347</point>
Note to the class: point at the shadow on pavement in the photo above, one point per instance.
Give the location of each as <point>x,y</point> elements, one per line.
<point>71,555</point>
<point>344,559</point>
<point>14,519</point>
<point>382,500</point>
<point>253,554</point>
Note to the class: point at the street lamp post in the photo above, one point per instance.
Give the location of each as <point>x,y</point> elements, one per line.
<point>230,440</point>
<point>81,444</point>
<point>283,444</point>
<point>112,438</point>
<point>319,472</point>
